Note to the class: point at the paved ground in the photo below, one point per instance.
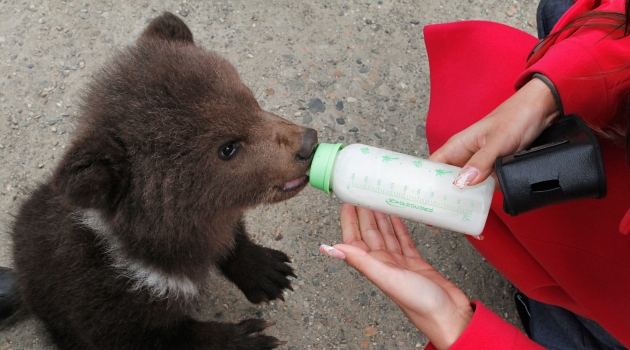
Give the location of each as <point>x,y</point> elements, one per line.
<point>355,70</point>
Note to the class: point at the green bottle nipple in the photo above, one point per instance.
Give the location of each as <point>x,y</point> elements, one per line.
<point>322,164</point>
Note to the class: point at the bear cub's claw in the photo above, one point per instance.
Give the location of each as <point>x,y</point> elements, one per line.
<point>247,335</point>
<point>260,273</point>
<point>268,277</point>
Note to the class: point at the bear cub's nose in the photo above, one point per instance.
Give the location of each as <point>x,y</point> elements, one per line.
<point>307,148</point>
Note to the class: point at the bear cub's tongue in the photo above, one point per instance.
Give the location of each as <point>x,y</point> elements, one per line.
<point>294,183</point>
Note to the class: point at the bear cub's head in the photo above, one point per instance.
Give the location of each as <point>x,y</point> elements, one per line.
<point>169,134</point>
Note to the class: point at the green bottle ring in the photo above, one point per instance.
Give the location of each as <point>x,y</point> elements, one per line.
<point>322,165</point>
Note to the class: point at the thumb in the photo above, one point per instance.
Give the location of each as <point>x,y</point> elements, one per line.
<point>477,169</point>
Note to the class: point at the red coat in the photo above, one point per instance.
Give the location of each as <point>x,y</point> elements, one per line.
<point>572,254</point>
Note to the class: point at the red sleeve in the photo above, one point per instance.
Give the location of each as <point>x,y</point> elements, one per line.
<point>488,331</point>
<point>590,69</point>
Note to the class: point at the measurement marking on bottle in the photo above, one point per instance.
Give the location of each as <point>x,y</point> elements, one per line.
<point>409,197</point>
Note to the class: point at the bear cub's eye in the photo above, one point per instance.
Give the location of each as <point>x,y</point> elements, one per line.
<point>228,151</point>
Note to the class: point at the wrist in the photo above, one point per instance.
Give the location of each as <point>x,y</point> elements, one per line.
<point>546,98</point>
<point>451,331</point>
<point>443,329</point>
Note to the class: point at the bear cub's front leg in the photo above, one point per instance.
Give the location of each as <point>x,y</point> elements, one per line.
<point>261,273</point>
<point>245,335</point>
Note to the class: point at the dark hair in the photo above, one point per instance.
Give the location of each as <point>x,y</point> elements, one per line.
<point>613,20</point>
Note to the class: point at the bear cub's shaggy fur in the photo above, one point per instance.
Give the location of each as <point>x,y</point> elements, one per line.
<point>171,150</point>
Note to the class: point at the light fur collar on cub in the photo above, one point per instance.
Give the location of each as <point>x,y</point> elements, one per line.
<point>144,276</point>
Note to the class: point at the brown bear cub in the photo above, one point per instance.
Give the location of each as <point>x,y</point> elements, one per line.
<point>171,150</point>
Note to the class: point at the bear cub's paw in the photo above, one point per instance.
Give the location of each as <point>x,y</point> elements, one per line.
<point>260,273</point>
<point>246,335</point>
<point>268,277</point>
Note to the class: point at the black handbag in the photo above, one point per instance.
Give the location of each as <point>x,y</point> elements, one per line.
<point>563,164</point>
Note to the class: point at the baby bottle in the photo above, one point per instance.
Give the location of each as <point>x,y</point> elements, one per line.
<point>403,185</point>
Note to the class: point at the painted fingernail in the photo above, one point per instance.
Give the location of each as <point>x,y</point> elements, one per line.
<point>466,176</point>
<point>330,251</point>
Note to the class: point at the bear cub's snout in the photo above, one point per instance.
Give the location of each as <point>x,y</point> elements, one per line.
<point>307,149</point>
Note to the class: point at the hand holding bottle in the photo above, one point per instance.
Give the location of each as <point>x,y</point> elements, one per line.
<point>510,128</point>
<point>386,255</point>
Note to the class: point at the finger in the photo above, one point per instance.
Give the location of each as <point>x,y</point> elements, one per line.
<point>450,155</point>
<point>350,233</point>
<point>407,246</point>
<point>438,156</point>
<point>478,168</point>
<point>455,151</point>
<point>389,237</point>
<point>375,270</point>
<point>370,233</point>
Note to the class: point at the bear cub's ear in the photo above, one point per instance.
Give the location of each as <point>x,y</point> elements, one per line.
<point>170,28</point>
<point>94,174</point>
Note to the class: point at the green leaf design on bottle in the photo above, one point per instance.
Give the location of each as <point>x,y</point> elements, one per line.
<point>365,150</point>
<point>418,163</point>
<point>441,172</point>
<point>387,159</point>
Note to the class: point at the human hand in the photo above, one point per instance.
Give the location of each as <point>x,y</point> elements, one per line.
<point>386,255</point>
<point>510,128</point>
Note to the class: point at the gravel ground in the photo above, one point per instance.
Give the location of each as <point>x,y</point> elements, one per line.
<point>356,71</point>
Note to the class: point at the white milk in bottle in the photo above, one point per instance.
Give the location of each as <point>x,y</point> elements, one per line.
<point>403,185</point>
